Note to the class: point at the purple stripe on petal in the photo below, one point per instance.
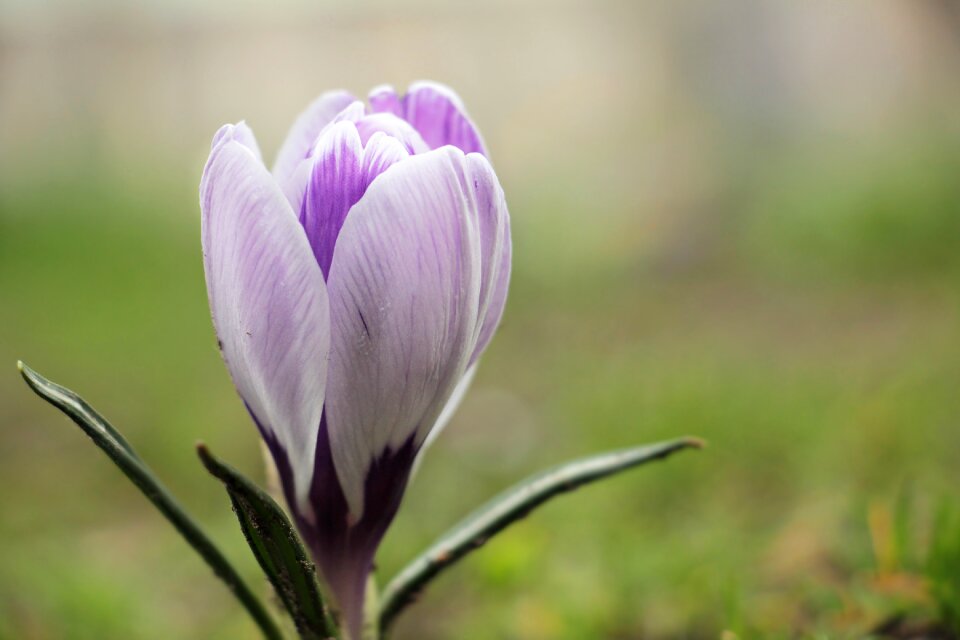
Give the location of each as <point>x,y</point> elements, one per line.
<point>295,184</point>
<point>336,183</point>
<point>282,462</point>
<point>342,170</point>
<point>307,127</point>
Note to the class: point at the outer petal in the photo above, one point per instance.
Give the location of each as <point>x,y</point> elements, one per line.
<point>495,250</point>
<point>342,170</point>
<point>404,297</point>
<point>496,263</point>
<point>446,415</point>
<point>495,279</point>
<point>306,128</point>
<point>434,110</point>
<point>241,133</point>
<point>269,303</point>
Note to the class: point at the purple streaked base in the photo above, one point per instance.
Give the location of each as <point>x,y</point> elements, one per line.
<point>353,289</point>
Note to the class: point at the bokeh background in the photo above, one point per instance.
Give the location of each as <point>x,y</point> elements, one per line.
<point>739,220</point>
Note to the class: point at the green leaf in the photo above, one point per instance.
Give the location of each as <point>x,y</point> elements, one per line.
<point>122,454</point>
<point>510,506</point>
<point>277,548</point>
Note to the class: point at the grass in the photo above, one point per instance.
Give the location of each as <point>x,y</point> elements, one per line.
<point>943,565</point>
<point>814,346</point>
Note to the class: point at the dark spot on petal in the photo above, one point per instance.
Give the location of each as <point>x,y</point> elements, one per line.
<point>366,329</point>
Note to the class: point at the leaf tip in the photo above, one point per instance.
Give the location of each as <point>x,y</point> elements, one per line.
<point>694,442</point>
<point>213,466</point>
<point>31,377</point>
<point>205,456</point>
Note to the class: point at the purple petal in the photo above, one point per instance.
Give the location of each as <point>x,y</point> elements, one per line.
<point>269,303</point>
<point>405,294</point>
<point>392,125</point>
<point>342,546</point>
<point>435,111</point>
<point>307,127</point>
<point>384,99</point>
<point>405,300</point>
<point>342,169</point>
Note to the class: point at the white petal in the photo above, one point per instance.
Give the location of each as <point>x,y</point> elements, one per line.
<point>268,300</point>
<point>405,297</point>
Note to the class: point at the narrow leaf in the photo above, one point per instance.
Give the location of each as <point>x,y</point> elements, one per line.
<point>122,454</point>
<point>510,506</point>
<point>277,548</point>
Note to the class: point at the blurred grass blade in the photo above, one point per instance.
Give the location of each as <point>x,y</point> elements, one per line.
<point>510,506</point>
<point>122,454</point>
<point>277,548</point>
<point>371,611</point>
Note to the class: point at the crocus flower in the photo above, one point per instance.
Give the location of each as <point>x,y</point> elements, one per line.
<point>353,289</point>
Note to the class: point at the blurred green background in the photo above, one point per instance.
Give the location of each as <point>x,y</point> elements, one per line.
<point>739,220</point>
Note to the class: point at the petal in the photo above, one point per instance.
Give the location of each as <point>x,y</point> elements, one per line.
<point>495,278</point>
<point>384,99</point>
<point>341,171</point>
<point>351,113</point>
<point>389,123</point>
<point>404,301</point>
<point>239,132</point>
<point>294,179</point>
<point>381,152</point>
<point>434,110</point>
<point>306,128</point>
<point>446,415</point>
<point>269,303</point>
<point>495,250</point>
<point>344,547</point>
<point>395,128</point>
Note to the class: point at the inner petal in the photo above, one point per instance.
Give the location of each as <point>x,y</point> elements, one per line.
<point>344,165</point>
<point>435,111</point>
<point>394,127</point>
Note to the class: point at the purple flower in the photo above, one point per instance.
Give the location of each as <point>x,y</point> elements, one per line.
<point>353,290</point>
